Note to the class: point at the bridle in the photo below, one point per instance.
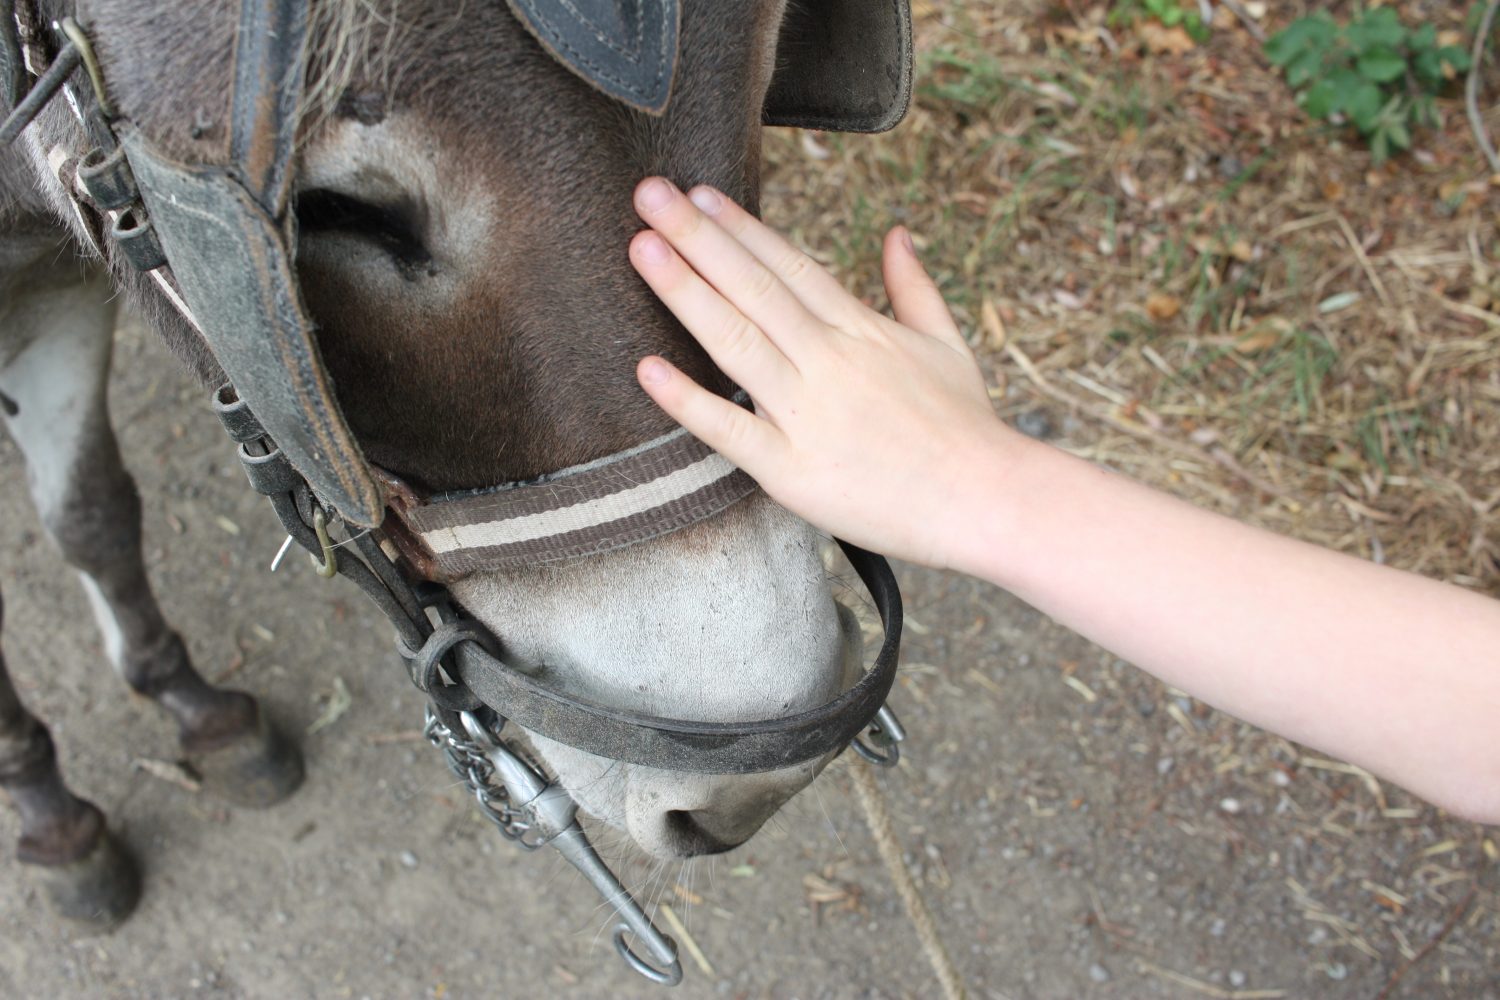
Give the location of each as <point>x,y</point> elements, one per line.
<point>179,223</point>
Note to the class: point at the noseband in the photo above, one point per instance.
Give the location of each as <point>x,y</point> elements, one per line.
<point>181,224</point>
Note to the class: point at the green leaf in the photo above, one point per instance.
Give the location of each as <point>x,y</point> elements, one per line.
<point>1455,57</point>
<point>1424,37</point>
<point>1322,99</point>
<point>1427,67</point>
<point>1400,135</point>
<point>1381,66</point>
<point>1424,112</point>
<point>1309,34</point>
<point>1379,147</point>
<point>1363,106</point>
<point>1303,68</point>
<point>1380,28</point>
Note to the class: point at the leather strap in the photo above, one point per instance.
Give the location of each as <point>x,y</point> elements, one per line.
<point>12,66</point>
<point>632,496</point>
<point>700,747</point>
<point>268,71</point>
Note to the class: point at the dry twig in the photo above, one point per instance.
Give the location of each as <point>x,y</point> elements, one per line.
<point>1471,87</point>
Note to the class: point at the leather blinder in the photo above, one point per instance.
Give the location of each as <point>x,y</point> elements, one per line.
<point>251,314</point>
<point>842,65</point>
<point>625,48</point>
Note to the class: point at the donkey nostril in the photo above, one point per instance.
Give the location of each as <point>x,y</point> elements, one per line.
<point>688,836</point>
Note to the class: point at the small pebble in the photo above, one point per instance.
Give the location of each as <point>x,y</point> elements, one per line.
<point>1231,806</point>
<point>1036,424</point>
<point>1098,973</point>
<point>1336,971</point>
<point>1236,978</point>
<point>1164,764</point>
<point>408,859</point>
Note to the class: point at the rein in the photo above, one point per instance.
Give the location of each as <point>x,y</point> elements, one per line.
<point>179,224</point>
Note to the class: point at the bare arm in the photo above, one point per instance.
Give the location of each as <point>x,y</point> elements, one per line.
<point>881,431</point>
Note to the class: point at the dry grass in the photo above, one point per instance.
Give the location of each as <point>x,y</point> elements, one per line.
<point>1191,281</point>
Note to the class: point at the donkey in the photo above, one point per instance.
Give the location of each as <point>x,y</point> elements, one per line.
<point>448,189</point>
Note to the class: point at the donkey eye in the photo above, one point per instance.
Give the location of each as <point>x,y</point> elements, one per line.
<point>395,228</point>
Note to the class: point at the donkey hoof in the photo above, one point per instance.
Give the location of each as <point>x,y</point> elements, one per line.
<point>256,770</point>
<point>96,891</point>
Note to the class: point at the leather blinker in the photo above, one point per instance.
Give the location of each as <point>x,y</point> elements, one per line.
<point>625,48</point>
<point>842,66</point>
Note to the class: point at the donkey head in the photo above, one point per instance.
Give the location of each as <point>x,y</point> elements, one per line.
<point>462,193</point>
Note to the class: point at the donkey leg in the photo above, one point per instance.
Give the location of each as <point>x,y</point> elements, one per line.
<point>77,863</point>
<point>57,413</point>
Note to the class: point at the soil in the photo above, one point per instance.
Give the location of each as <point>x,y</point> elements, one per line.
<point>1078,830</point>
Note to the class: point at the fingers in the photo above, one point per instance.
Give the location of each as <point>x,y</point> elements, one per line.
<point>914,296</point>
<point>728,428</point>
<point>722,261</point>
<point>736,345</point>
<point>807,279</point>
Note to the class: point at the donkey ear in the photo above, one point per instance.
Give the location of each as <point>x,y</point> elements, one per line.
<point>842,65</point>
<point>624,48</point>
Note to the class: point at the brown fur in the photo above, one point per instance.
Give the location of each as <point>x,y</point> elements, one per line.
<point>528,364</point>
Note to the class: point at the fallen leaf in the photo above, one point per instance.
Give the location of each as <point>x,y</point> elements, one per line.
<point>338,703</point>
<point>1335,303</point>
<point>1241,250</point>
<point>1067,299</point>
<point>1161,40</point>
<point>1262,335</point>
<point>1161,306</point>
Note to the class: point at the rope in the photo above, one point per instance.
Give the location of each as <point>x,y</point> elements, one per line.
<point>879,818</point>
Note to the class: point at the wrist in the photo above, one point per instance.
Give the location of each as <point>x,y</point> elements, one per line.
<point>986,518</point>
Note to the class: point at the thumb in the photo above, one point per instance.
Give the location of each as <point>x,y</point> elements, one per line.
<point>914,296</point>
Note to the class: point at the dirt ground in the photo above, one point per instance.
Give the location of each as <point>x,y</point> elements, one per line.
<point>1079,831</point>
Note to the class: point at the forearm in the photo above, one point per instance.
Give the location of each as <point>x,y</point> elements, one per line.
<point>1386,669</point>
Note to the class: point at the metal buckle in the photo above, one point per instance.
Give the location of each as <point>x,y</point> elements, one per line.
<point>886,733</point>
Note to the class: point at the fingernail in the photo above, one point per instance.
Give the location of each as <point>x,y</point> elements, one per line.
<point>707,200</point>
<point>652,248</point>
<point>655,195</point>
<point>911,247</point>
<point>654,372</point>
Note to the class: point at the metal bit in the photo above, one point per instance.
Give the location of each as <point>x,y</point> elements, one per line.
<point>552,816</point>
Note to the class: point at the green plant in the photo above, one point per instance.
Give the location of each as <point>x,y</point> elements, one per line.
<point>1171,13</point>
<point>1373,72</point>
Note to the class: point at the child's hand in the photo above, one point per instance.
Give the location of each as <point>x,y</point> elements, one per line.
<point>877,430</point>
